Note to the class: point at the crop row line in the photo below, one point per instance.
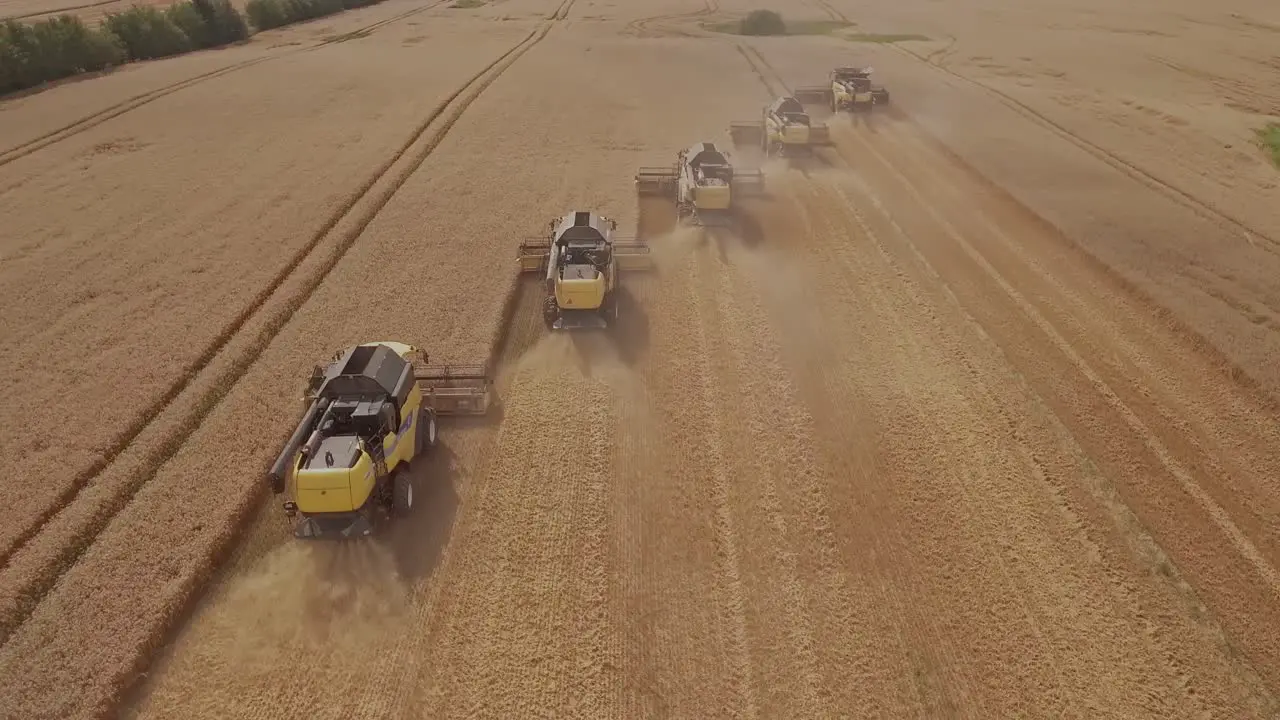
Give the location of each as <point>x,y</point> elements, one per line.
<point>70,130</point>
<point>272,310</point>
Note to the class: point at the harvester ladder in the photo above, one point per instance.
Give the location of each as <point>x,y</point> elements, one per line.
<point>378,454</point>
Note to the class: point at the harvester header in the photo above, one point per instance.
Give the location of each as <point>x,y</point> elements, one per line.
<point>704,183</point>
<point>784,129</point>
<point>368,413</point>
<point>848,88</point>
<point>580,258</point>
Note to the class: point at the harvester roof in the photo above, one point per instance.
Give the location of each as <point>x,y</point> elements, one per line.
<point>704,153</point>
<point>787,105</point>
<point>857,72</point>
<point>583,227</point>
<point>366,370</point>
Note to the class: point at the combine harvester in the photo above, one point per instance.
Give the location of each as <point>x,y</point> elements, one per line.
<point>784,130</point>
<point>848,88</point>
<point>704,184</point>
<point>369,413</point>
<point>581,258</point>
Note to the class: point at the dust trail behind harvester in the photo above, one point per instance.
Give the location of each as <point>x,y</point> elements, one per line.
<point>669,249</point>
<point>321,608</point>
<point>782,271</point>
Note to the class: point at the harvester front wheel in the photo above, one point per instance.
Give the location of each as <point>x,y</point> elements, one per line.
<point>402,494</point>
<point>427,431</point>
<point>550,311</point>
<point>609,309</point>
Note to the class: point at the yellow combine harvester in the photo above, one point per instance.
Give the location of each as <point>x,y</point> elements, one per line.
<point>704,184</point>
<point>847,88</point>
<point>580,258</point>
<point>369,413</point>
<point>784,130</point>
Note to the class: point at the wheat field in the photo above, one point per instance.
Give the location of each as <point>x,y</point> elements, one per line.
<point>974,416</point>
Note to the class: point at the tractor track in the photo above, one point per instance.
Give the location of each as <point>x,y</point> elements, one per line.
<point>1257,392</point>
<point>1201,207</point>
<point>1181,473</point>
<point>520,329</point>
<point>1231,371</point>
<point>93,120</point>
<point>641,27</point>
<point>831,12</point>
<point>763,71</point>
<point>1191,511</point>
<point>1215,529</point>
<point>270,312</point>
<point>855,446</point>
<point>762,68</point>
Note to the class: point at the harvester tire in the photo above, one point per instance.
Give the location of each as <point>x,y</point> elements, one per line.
<point>609,309</point>
<point>427,431</point>
<point>402,494</point>
<point>550,311</point>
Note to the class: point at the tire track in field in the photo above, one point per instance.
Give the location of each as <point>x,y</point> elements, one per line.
<point>638,647</point>
<point>1141,428</point>
<point>129,434</point>
<point>898,650</point>
<point>775,497</point>
<point>1073,641</point>
<point>764,72</point>
<point>70,130</point>
<point>1184,466</point>
<point>1174,650</point>
<point>981,494</point>
<point>519,327</point>
<point>1257,392</point>
<point>641,26</point>
<point>271,310</point>
<point>729,567</point>
<point>1159,395</point>
<point>831,12</point>
<point>365,678</point>
<point>1201,207</point>
<point>1159,472</point>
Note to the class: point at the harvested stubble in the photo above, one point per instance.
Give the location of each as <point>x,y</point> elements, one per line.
<point>873,437</point>
<point>174,237</point>
<point>437,247</point>
<point>32,120</point>
<point>810,462</point>
<point>319,182</point>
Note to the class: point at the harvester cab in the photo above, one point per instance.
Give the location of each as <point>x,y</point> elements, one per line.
<point>848,88</point>
<point>785,130</point>
<point>369,412</point>
<point>704,184</point>
<point>580,259</point>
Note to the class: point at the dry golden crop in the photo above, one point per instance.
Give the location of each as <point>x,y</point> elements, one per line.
<point>907,443</point>
<point>178,294</point>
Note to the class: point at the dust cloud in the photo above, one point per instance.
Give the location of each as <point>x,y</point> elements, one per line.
<point>312,605</point>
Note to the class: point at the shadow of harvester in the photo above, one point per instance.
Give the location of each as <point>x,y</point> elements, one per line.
<point>417,541</point>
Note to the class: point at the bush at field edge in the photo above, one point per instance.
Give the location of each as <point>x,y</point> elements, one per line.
<point>762,22</point>
<point>147,33</point>
<point>268,14</point>
<point>41,52</point>
<point>52,49</point>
